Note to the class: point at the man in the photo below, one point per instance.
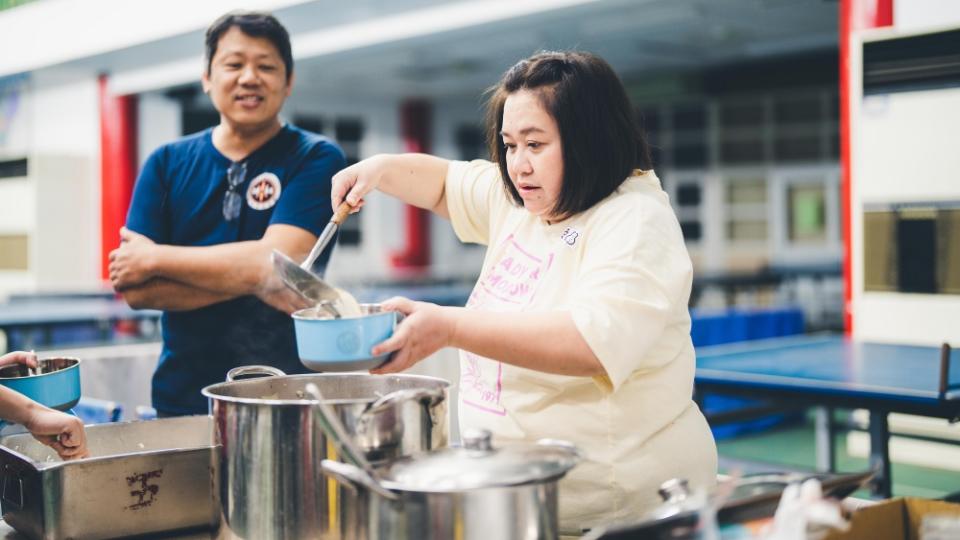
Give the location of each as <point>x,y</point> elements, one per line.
<point>208,209</point>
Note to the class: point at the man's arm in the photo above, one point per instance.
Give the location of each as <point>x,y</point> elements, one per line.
<point>167,295</point>
<point>234,268</point>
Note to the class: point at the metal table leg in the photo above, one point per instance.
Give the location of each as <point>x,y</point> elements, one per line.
<point>880,454</point>
<point>825,431</point>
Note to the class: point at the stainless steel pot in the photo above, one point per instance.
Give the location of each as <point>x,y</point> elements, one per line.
<point>474,492</point>
<point>270,482</point>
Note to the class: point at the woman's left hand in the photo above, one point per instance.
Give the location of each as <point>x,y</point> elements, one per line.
<point>426,329</point>
<point>28,359</point>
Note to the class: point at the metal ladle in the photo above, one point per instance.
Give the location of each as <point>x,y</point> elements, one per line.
<point>334,430</point>
<point>300,277</point>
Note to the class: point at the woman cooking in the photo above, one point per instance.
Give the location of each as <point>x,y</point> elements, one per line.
<point>578,327</point>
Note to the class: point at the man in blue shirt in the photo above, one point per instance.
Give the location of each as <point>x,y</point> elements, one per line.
<point>208,209</point>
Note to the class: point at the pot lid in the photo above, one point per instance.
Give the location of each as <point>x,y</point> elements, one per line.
<point>477,464</point>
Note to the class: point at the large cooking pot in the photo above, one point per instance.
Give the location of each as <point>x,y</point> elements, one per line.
<point>270,451</point>
<point>476,492</point>
<point>55,382</point>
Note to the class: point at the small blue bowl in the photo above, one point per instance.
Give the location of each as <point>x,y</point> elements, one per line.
<point>56,385</point>
<point>328,344</point>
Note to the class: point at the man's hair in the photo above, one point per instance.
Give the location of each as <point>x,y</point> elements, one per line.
<point>254,24</point>
<point>601,141</point>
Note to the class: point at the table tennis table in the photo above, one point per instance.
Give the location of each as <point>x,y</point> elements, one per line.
<point>830,372</point>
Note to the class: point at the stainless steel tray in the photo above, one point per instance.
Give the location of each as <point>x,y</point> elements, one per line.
<point>142,477</point>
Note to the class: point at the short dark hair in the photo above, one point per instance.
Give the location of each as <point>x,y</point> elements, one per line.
<point>601,141</point>
<point>254,24</point>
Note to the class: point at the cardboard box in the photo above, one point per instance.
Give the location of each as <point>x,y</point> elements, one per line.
<point>894,519</point>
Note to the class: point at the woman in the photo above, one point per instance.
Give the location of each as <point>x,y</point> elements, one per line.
<point>578,326</point>
<point>60,431</point>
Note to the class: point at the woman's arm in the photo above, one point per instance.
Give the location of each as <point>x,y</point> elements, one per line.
<point>416,179</point>
<point>548,342</point>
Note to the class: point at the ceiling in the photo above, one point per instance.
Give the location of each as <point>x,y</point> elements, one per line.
<point>635,36</point>
<point>381,48</point>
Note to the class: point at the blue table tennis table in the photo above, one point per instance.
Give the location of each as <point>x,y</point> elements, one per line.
<point>830,372</point>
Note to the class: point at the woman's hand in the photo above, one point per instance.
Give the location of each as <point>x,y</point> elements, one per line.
<point>130,264</point>
<point>60,431</point>
<point>354,182</point>
<point>426,329</point>
<point>28,359</point>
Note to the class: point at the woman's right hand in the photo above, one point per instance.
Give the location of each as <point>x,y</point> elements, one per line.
<point>60,431</point>
<point>354,182</point>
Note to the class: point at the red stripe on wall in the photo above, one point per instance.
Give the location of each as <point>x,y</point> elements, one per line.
<point>118,166</point>
<point>416,122</point>
<point>846,8</point>
<point>854,15</point>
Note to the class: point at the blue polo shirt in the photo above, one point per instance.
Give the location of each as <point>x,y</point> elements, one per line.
<point>178,200</point>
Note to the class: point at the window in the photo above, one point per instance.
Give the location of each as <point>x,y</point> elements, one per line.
<point>14,252</point>
<point>310,123</point>
<point>746,199</point>
<point>688,194</point>
<point>13,168</point>
<point>470,142</point>
<point>687,198</point>
<point>349,133</point>
<point>689,136</point>
<point>806,213</point>
<point>914,248</point>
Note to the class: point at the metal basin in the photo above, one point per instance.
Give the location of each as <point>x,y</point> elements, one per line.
<point>141,477</point>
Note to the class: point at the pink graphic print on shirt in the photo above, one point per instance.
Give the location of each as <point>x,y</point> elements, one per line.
<point>508,284</point>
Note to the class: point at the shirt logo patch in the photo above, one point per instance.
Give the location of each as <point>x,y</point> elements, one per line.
<point>264,191</point>
<point>569,236</point>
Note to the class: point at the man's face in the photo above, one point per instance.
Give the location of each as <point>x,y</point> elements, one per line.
<point>247,80</point>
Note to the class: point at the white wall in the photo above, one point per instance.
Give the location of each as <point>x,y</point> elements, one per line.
<point>17,201</point>
<point>917,15</point>
<point>65,155</point>
<point>57,204</point>
<point>904,148</point>
<point>158,122</point>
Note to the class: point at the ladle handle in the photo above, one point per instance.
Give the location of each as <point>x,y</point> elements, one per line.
<point>334,430</point>
<point>341,213</point>
<point>326,235</point>
<point>355,478</point>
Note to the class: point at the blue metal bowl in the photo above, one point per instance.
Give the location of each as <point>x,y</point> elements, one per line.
<point>328,344</point>
<point>56,385</point>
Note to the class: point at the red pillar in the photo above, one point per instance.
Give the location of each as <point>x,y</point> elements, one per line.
<point>416,123</point>
<point>854,15</point>
<point>118,166</point>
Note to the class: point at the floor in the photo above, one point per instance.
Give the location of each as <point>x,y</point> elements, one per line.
<point>793,447</point>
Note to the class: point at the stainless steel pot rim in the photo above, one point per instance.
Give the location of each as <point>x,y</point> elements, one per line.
<point>210,391</point>
<point>402,488</point>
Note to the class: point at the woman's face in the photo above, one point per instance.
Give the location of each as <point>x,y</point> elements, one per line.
<point>534,152</point>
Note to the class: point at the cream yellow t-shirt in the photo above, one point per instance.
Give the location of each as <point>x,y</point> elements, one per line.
<point>623,273</point>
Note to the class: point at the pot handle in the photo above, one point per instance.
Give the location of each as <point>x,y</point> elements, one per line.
<point>354,477</point>
<point>563,445</point>
<point>433,395</point>
<point>251,372</point>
